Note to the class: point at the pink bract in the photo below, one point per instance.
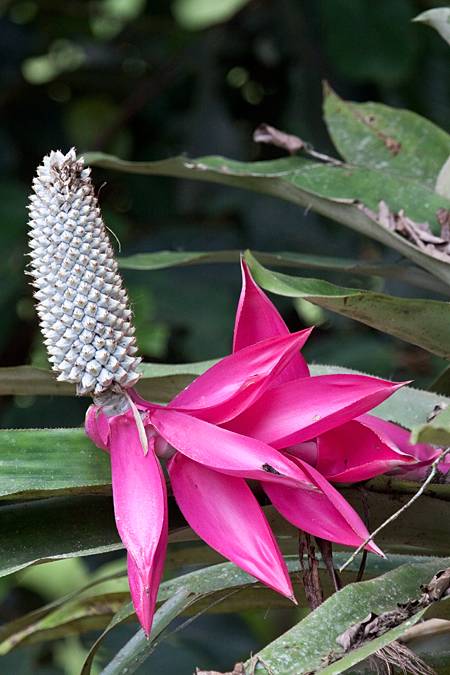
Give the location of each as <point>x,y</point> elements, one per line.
<point>256,414</point>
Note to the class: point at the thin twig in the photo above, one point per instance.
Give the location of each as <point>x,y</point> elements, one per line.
<point>397,513</point>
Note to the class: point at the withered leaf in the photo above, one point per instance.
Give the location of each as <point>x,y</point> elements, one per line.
<point>443,218</point>
<point>373,626</point>
<point>348,638</point>
<point>419,234</point>
<point>267,134</point>
<point>439,586</point>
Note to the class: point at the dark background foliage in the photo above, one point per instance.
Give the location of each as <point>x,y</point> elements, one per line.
<point>130,77</point>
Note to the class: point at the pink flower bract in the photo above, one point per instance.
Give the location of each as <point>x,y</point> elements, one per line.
<point>256,414</point>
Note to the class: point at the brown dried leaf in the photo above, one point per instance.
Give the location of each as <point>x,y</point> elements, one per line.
<point>443,218</point>
<point>267,134</point>
<point>419,234</point>
<point>373,626</point>
<point>385,217</point>
<point>352,635</point>
<point>439,586</point>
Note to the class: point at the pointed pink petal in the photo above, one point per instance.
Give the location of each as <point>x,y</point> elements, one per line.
<point>425,454</point>
<point>300,410</point>
<point>237,380</point>
<point>353,452</point>
<point>144,594</point>
<point>139,493</point>
<point>223,512</point>
<point>97,427</point>
<point>223,450</point>
<point>421,451</point>
<point>257,319</point>
<point>325,514</point>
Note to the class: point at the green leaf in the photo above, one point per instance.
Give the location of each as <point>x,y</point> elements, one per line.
<point>403,273</point>
<point>55,528</point>
<point>72,618</point>
<point>423,323</point>
<point>292,652</point>
<point>138,649</point>
<point>336,191</point>
<point>364,133</point>
<point>46,462</point>
<point>92,607</point>
<point>439,19</point>
<point>441,385</point>
<point>76,526</point>
<point>371,647</point>
<point>159,382</point>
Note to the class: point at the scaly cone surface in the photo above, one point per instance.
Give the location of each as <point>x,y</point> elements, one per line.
<point>82,307</point>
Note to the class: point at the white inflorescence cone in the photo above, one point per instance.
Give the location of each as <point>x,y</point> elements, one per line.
<point>82,306</point>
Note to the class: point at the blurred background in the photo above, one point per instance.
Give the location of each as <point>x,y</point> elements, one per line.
<point>149,79</point>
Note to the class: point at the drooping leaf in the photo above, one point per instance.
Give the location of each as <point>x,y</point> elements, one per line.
<point>292,653</point>
<point>335,190</point>
<point>424,324</point>
<point>404,273</point>
<point>159,382</point>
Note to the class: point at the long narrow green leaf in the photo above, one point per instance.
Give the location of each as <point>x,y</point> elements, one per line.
<point>335,191</point>
<point>407,274</point>
<point>49,462</point>
<point>424,324</point>
<point>159,382</point>
<point>76,526</point>
<point>138,649</point>
<point>67,527</point>
<point>92,607</point>
<point>292,652</point>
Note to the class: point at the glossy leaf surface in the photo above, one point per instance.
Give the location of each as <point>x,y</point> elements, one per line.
<point>334,190</point>
<point>292,652</point>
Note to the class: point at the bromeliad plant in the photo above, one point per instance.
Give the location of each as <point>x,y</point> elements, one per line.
<point>257,415</point>
<point>254,415</point>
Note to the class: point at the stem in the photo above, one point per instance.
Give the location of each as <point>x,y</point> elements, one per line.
<point>397,513</point>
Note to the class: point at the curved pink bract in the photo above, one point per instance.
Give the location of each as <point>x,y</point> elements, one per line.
<point>222,510</point>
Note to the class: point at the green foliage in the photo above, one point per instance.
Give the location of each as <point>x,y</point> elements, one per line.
<point>136,87</point>
<point>292,651</point>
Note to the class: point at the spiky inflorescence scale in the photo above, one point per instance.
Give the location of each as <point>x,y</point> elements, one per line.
<point>83,309</point>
